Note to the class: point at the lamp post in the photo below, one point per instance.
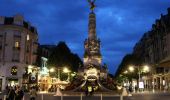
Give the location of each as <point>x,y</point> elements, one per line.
<point>66,70</point>
<point>52,70</point>
<point>139,70</point>
<point>58,71</point>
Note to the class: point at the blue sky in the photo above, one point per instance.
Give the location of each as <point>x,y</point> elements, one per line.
<point>120,23</point>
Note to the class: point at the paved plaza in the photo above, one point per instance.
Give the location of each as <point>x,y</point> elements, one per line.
<point>135,96</point>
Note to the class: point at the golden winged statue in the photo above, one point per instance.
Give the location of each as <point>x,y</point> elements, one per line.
<point>92,4</point>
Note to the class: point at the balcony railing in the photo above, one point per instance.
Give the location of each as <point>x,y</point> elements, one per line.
<point>35,53</point>
<point>16,48</point>
<point>15,60</point>
<point>36,43</point>
<point>17,36</point>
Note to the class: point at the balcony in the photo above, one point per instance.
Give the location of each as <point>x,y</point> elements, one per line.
<point>17,36</point>
<point>15,60</point>
<point>27,50</point>
<point>36,43</point>
<point>35,53</point>
<point>16,48</point>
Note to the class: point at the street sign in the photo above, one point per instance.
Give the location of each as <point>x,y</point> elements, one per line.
<point>141,85</point>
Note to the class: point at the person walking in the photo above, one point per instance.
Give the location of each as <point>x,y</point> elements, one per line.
<point>11,94</point>
<point>19,94</point>
<point>92,91</point>
<point>33,93</point>
<point>86,91</point>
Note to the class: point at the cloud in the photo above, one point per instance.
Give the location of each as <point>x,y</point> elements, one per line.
<point>120,23</point>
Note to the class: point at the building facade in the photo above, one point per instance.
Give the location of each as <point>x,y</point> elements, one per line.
<point>154,49</point>
<point>18,49</point>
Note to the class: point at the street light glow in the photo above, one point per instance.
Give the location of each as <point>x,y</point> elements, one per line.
<point>52,70</point>
<point>125,72</point>
<point>66,70</point>
<point>131,69</point>
<point>146,68</point>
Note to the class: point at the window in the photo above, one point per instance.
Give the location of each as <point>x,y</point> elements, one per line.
<point>27,48</point>
<point>17,44</point>
<point>16,56</point>
<point>17,33</point>
<point>28,37</point>
<point>14,70</point>
<point>27,59</point>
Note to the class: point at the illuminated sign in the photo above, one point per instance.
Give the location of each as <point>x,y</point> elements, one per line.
<point>141,85</point>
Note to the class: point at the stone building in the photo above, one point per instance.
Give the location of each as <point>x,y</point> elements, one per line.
<point>18,49</point>
<point>154,50</point>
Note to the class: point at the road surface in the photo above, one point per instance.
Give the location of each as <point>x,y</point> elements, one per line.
<point>139,96</point>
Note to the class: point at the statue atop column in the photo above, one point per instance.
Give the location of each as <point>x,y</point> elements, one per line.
<point>92,4</point>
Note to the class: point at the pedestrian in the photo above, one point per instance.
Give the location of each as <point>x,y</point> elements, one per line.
<point>11,94</point>
<point>19,94</point>
<point>130,89</point>
<point>136,88</point>
<point>33,93</point>
<point>92,91</point>
<point>86,91</point>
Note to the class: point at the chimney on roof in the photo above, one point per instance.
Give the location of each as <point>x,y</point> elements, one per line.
<point>18,19</point>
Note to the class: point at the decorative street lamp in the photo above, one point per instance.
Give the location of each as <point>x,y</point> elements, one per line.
<point>144,69</point>
<point>131,68</point>
<point>52,70</point>
<point>66,70</point>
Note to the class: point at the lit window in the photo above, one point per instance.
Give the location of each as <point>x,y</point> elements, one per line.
<point>14,70</point>
<point>28,37</point>
<point>16,44</point>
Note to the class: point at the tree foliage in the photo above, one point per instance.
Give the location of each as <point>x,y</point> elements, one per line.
<point>61,56</point>
<point>128,60</point>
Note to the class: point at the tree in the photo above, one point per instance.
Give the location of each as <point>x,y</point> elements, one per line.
<point>61,56</point>
<point>129,59</point>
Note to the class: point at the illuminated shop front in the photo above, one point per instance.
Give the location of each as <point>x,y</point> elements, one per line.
<point>12,81</point>
<point>44,83</point>
<point>30,78</point>
<point>48,83</point>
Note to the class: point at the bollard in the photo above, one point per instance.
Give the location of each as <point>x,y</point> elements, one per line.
<point>81,97</point>
<point>42,97</point>
<point>61,97</point>
<point>121,97</point>
<point>4,97</point>
<point>23,98</point>
<point>101,97</point>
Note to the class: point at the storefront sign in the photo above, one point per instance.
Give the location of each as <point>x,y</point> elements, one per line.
<point>141,85</point>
